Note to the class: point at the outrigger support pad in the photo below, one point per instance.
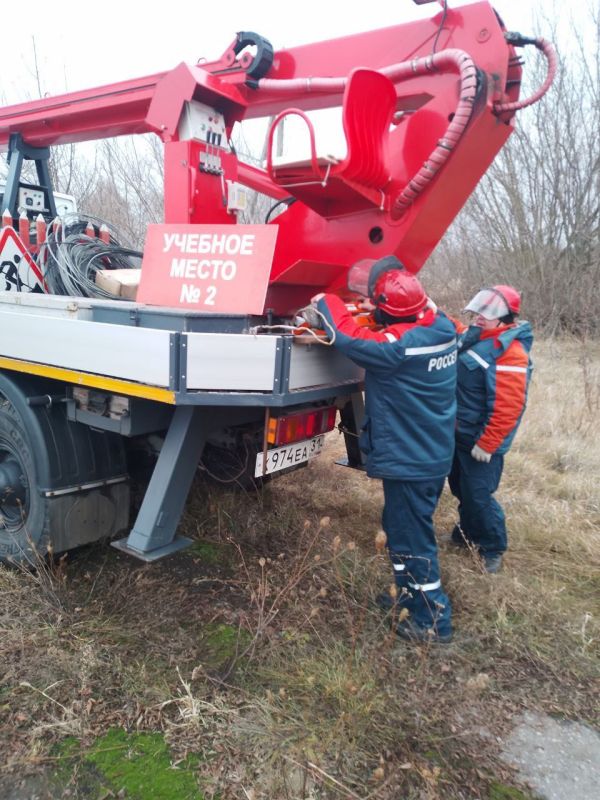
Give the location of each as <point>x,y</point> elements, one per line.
<point>153,535</point>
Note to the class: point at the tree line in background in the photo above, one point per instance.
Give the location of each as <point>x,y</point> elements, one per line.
<point>534,220</point>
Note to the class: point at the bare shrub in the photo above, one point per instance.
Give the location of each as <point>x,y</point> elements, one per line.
<point>534,220</point>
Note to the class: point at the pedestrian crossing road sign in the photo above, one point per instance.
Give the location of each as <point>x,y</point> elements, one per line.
<point>18,270</point>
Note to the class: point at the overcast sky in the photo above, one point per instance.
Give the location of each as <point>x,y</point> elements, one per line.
<point>83,45</point>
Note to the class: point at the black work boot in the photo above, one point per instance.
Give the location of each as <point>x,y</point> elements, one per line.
<point>385,601</point>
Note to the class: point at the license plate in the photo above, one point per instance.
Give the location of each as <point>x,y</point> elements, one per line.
<point>289,456</point>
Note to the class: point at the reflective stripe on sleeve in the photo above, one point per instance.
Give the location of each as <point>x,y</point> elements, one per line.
<point>434,348</point>
<point>500,368</point>
<point>390,337</point>
<point>426,587</point>
<point>478,359</point>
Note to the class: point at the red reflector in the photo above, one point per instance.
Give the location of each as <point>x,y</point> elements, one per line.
<point>329,416</point>
<point>287,431</point>
<point>302,425</point>
<point>298,429</point>
<point>312,424</point>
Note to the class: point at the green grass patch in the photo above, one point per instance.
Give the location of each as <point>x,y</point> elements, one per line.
<point>211,554</point>
<point>136,766</point>
<point>220,644</point>
<point>499,791</point>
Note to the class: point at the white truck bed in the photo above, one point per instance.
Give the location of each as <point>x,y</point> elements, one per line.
<point>64,334</point>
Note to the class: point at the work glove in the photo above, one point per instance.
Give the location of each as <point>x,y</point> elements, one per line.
<point>310,316</point>
<point>479,454</point>
<point>366,305</point>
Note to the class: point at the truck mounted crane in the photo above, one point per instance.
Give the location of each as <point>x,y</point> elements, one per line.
<point>208,355</point>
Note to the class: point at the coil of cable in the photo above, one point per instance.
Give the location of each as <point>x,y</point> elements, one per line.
<point>70,257</point>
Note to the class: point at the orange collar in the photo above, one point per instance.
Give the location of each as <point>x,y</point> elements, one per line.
<point>493,333</point>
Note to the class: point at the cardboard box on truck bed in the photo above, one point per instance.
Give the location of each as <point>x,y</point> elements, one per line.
<point>119,282</point>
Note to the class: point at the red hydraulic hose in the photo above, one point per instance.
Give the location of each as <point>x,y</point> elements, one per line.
<point>444,61</point>
<point>306,85</point>
<point>550,53</point>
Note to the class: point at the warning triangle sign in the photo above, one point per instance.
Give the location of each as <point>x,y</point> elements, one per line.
<point>18,270</point>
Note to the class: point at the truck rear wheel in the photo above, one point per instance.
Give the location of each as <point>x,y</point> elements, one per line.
<point>24,512</point>
<point>62,484</point>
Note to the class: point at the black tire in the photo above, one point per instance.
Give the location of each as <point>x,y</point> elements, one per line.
<point>24,512</point>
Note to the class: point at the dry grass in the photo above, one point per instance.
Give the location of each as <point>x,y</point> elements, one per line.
<point>318,699</point>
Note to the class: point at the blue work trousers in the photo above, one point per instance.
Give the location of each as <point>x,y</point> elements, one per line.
<point>408,524</point>
<point>482,519</point>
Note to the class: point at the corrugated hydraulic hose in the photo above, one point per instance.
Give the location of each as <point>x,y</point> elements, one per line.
<point>445,61</point>
<point>548,50</point>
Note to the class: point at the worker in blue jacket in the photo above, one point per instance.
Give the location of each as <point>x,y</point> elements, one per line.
<point>408,431</point>
<point>494,370</point>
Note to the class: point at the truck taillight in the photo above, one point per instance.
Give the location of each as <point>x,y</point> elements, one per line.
<point>301,425</point>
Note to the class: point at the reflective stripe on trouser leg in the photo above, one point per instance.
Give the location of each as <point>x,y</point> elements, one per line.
<point>481,515</point>
<point>426,587</point>
<point>407,521</point>
<point>405,596</point>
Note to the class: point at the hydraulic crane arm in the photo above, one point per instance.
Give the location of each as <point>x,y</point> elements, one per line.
<point>425,107</point>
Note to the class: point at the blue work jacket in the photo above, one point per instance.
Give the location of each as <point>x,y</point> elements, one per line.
<point>410,391</point>
<point>494,370</point>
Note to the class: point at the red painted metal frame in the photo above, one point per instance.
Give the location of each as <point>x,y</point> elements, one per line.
<point>313,252</point>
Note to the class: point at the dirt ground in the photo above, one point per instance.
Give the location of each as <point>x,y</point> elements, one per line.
<point>559,759</point>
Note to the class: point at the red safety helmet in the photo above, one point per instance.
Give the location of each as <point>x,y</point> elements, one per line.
<point>399,293</point>
<point>495,302</point>
<point>388,284</point>
<point>512,297</point>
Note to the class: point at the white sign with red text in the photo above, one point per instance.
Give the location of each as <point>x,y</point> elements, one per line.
<point>209,268</point>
